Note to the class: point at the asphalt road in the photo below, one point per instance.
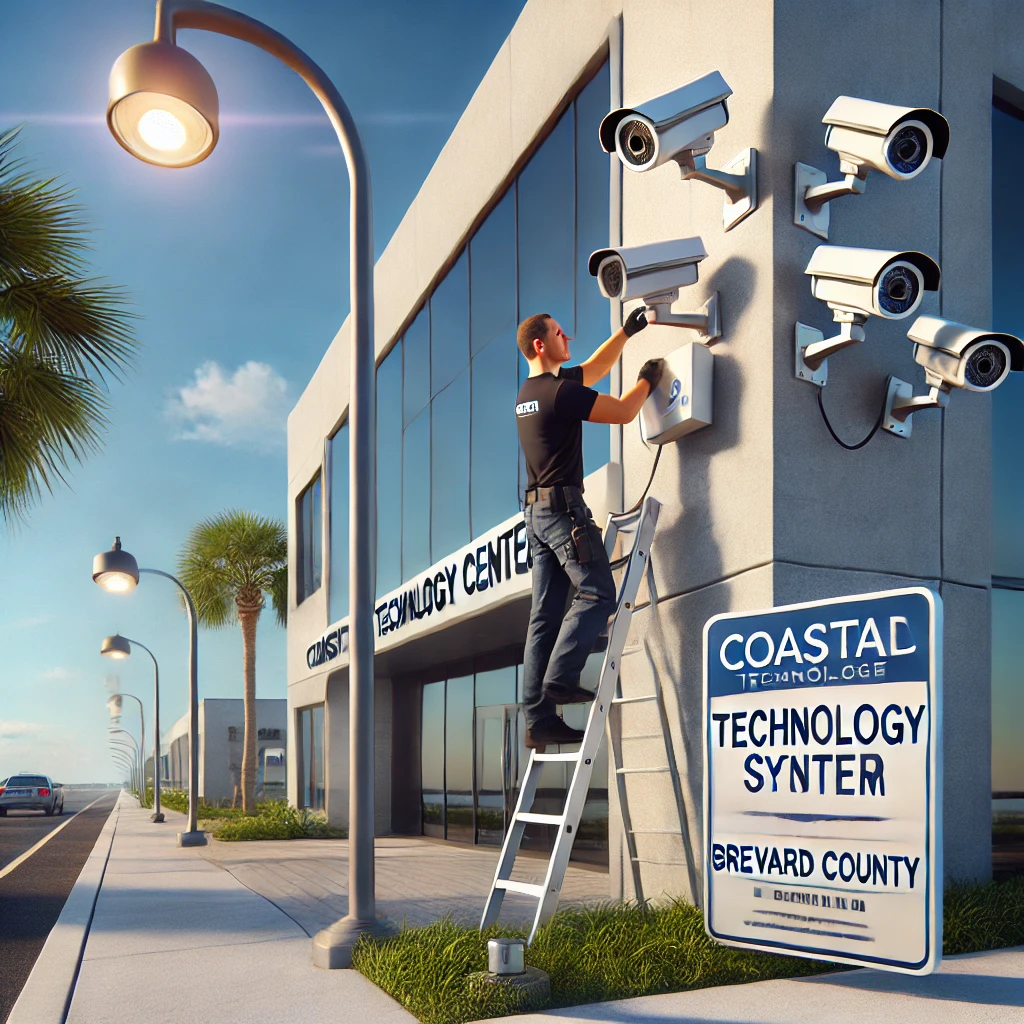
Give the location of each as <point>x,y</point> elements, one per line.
<point>33,894</point>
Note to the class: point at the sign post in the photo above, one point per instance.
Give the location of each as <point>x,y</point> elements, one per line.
<point>823,780</point>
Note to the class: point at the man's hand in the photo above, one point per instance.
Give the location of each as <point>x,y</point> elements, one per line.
<point>651,372</point>
<point>635,322</point>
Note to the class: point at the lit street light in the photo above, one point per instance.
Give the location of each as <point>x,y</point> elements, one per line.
<point>120,647</point>
<point>114,707</point>
<point>163,109</point>
<point>118,572</point>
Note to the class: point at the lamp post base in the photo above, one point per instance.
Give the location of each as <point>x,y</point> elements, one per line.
<point>332,947</point>
<point>158,816</point>
<point>197,838</point>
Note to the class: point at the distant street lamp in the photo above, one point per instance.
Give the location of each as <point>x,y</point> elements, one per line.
<point>118,572</point>
<point>163,109</point>
<point>126,745</point>
<point>121,761</point>
<point>119,647</point>
<point>115,709</point>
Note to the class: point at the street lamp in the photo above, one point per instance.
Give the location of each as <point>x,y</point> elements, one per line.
<point>120,647</point>
<point>126,745</point>
<point>122,762</point>
<point>163,109</point>
<point>117,571</point>
<point>114,707</point>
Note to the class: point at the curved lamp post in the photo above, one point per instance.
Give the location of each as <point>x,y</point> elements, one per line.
<point>142,743</point>
<point>117,571</point>
<point>129,746</point>
<point>120,647</point>
<point>163,109</point>
<point>120,761</point>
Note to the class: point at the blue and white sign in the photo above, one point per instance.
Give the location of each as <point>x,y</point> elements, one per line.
<point>822,780</point>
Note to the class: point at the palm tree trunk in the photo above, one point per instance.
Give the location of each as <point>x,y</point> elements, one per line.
<point>248,616</point>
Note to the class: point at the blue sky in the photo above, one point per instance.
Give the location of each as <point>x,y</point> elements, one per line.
<point>238,270</point>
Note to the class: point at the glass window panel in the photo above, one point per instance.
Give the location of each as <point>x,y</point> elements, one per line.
<point>449,469</point>
<point>492,274</point>
<point>308,518</point>
<point>1007,691</point>
<point>416,496</point>
<point>494,775</point>
<point>338,597</point>
<point>459,759</point>
<point>1007,315</point>
<point>449,326</point>
<point>432,760</point>
<point>496,687</point>
<point>592,311</point>
<point>495,443</point>
<point>546,231</point>
<point>416,372</point>
<point>305,724</point>
<point>317,532</point>
<point>319,801</point>
<point>389,472</point>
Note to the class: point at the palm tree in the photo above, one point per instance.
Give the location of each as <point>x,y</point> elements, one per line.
<point>229,564</point>
<point>62,335</point>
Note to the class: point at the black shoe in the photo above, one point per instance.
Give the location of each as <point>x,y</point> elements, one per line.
<point>569,695</point>
<point>600,644</point>
<point>556,731</point>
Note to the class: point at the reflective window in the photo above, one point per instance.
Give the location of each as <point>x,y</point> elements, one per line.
<point>432,760</point>
<point>496,687</point>
<point>449,326</point>
<point>546,228</point>
<point>309,537</point>
<point>449,469</point>
<point>416,372</point>
<point>493,438</point>
<point>1007,691</point>
<point>458,759</point>
<point>416,496</point>
<point>492,274</point>
<point>312,790</point>
<point>338,596</point>
<point>389,472</point>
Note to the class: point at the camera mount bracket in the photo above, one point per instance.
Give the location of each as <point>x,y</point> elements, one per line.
<point>738,179</point>
<point>706,321</point>
<point>812,349</point>
<point>901,404</point>
<point>812,192</point>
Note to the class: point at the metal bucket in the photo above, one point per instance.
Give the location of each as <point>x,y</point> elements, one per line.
<point>505,956</point>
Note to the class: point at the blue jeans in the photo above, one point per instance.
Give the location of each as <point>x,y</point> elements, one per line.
<point>558,642</point>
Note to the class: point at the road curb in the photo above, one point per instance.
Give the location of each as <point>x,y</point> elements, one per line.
<point>46,997</point>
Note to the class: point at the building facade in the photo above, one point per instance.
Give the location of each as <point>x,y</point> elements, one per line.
<point>760,509</point>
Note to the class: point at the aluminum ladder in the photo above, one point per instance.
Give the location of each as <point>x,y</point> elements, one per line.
<point>641,524</point>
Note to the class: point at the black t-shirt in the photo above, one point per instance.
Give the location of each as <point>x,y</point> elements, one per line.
<point>550,411</point>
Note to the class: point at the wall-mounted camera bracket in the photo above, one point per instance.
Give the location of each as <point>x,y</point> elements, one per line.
<point>706,321</point>
<point>812,349</point>
<point>738,179</point>
<point>812,192</point>
<point>900,405</point>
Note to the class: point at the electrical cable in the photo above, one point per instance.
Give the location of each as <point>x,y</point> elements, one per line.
<point>837,438</point>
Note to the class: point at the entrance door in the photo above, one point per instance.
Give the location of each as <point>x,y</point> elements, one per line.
<point>498,731</point>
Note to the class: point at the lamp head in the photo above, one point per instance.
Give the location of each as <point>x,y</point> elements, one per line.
<point>115,570</point>
<point>114,706</point>
<point>116,647</point>
<point>163,105</point>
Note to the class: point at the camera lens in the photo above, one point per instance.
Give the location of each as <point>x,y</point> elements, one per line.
<point>898,289</point>
<point>985,366</point>
<point>908,149</point>
<point>637,142</point>
<point>611,278</point>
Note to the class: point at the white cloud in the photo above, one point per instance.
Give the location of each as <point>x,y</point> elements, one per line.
<point>28,623</point>
<point>244,409</point>
<point>18,730</point>
<point>59,674</point>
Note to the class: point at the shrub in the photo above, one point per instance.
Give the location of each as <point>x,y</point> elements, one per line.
<point>276,819</point>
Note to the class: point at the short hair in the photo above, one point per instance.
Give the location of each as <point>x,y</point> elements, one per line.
<point>532,327</point>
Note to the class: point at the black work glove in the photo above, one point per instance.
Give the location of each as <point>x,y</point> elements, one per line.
<point>651,372</point>
<point>635,322</point>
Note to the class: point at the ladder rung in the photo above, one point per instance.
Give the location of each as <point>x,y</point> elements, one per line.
<point>573,755</point>
<point>526,888</point>
<point>661,863</point>
<point>655,832</point>
<point>539,819</point>
<point>634,700</point>
<point>639,771</point>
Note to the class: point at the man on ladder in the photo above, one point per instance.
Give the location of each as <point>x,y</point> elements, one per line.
<point>565,543</point>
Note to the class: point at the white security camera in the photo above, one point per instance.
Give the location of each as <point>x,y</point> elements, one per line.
<point>868,136</point>
<point>681,126</point>
<point>953,356</point>
<point>655,273</point>
<point>856,284</point>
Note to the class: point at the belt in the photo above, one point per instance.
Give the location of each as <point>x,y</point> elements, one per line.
<point>556,497</point>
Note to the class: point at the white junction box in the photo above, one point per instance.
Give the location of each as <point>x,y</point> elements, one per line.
<point>681,403</point>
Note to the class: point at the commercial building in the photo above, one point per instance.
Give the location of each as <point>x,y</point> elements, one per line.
<point>763,507</point>
<point>221,738</point>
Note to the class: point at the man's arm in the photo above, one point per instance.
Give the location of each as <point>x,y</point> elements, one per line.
<point>602,361</point>
<point>623,410</point>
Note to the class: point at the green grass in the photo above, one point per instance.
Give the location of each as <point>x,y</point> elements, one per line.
<point>618,951</point>
<point>274,819</point>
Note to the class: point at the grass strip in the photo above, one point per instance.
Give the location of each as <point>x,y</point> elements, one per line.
<point>621,950</point>
<point>274,819</point>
